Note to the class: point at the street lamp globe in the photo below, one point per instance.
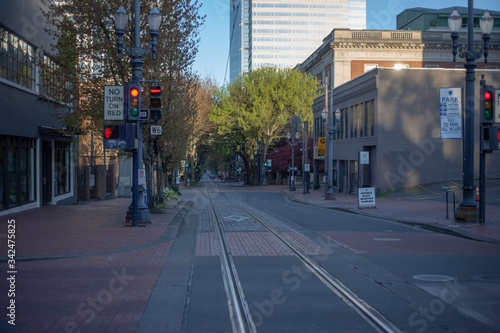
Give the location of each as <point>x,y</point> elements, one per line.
<point>486,23</point>
<point>455,21</point>
<point>337,114</point>
<point>288,136</point>
<point>121,19</point>
<point>154,19</point>
<point>323,114</point>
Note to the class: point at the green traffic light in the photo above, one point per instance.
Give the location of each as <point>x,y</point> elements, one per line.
<point>134,111</point>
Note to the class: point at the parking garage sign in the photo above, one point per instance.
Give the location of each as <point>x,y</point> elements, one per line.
<point>450,106</point>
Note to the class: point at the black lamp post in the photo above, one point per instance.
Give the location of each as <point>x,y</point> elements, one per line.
<point>329,195</point>
<point>139,210</point>
<point>467,209</point>
<point>291,138</point>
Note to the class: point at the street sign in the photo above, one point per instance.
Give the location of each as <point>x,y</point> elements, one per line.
<point>156,130</point>
<point>321,142</point>
<point>496,107</point>
<point>364,157</point>
<point>142,177</point>
<point>293,168</point>
<point>366,197</point>
<point>144,114</point>
<point>307,167</point>
<point>450,106</point>
<point>269,162</point>
<point>321,147</point>
<point>114,103</point>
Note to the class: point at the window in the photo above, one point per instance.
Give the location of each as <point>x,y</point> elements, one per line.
<point>55,82</point>
<point>371,113</point>
<point>17,60</point>
<point>62,168</point>
<point>17,171</point>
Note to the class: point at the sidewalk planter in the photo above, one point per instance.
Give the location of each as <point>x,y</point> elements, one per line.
<point>171,197</point>
<point>171,202</point>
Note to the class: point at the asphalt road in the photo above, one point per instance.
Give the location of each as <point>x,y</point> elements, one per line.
<point>419,280</point>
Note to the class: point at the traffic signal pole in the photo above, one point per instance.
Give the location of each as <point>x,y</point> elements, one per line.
<point>140,211</point>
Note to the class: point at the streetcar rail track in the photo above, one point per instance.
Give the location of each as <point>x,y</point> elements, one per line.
<point>367,312</point>
<point>241,317</point>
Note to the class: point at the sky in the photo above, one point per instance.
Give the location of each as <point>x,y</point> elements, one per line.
<point>212,58</point>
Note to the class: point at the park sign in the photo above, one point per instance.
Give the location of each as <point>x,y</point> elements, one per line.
<point>450,107</point>
<point>114,103</point>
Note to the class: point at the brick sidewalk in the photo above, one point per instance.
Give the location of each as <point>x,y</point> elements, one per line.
<point>100,274</point>
<point>423,213</point>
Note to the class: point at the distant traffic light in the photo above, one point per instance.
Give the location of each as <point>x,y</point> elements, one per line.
<point>155,102</point>
<point>134,96</point>
<point>487,104</point>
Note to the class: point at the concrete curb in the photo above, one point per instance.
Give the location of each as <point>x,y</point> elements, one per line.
<point>428,226</point>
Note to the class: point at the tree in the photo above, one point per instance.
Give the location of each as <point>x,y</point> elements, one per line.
<point>258,105</point>
<point>95,64</point>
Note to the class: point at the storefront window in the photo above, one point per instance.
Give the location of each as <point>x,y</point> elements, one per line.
<point>17,185</point>
<point>62,170</point>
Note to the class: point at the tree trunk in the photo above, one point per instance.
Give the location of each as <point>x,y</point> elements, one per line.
<point>159,176</point>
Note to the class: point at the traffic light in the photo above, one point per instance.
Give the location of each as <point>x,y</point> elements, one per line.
<point>155,102</point>
<point>134,96</point>
<point>490,138</point>
<point>111,132</point>
<point>487,104</point>
<point>120,136</point>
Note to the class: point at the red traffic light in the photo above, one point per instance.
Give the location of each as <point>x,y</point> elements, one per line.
<point>487,95</point>
<point>134,92</point>
<point>111,132</point>
<point>155,90</point>
<point>155,98</point>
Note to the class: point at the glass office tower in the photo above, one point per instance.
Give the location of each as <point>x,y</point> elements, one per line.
<point>285,32</point>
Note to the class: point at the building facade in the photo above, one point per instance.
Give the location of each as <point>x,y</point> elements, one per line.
<point>394,115</point>
<point>36,161</point>
<point>345,58</point>
<point>425,19</point>
<point>284,33</point>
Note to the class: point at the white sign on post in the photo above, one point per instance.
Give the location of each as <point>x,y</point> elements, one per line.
<point>364,157</point>
<point>142,177</point>
<point>114,101</point>
<point>496,107</point>
<point>156,130</point>
<point>450,107</point>
<point>366,197</point>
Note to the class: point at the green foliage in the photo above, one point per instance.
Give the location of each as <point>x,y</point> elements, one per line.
<point>169,193</point>
<point>256,108</point>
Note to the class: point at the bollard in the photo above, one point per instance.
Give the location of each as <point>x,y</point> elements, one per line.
<point>448,192</point>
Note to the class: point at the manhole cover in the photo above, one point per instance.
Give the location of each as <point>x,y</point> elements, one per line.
<point>487,277</point>
<point>433,278</point>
